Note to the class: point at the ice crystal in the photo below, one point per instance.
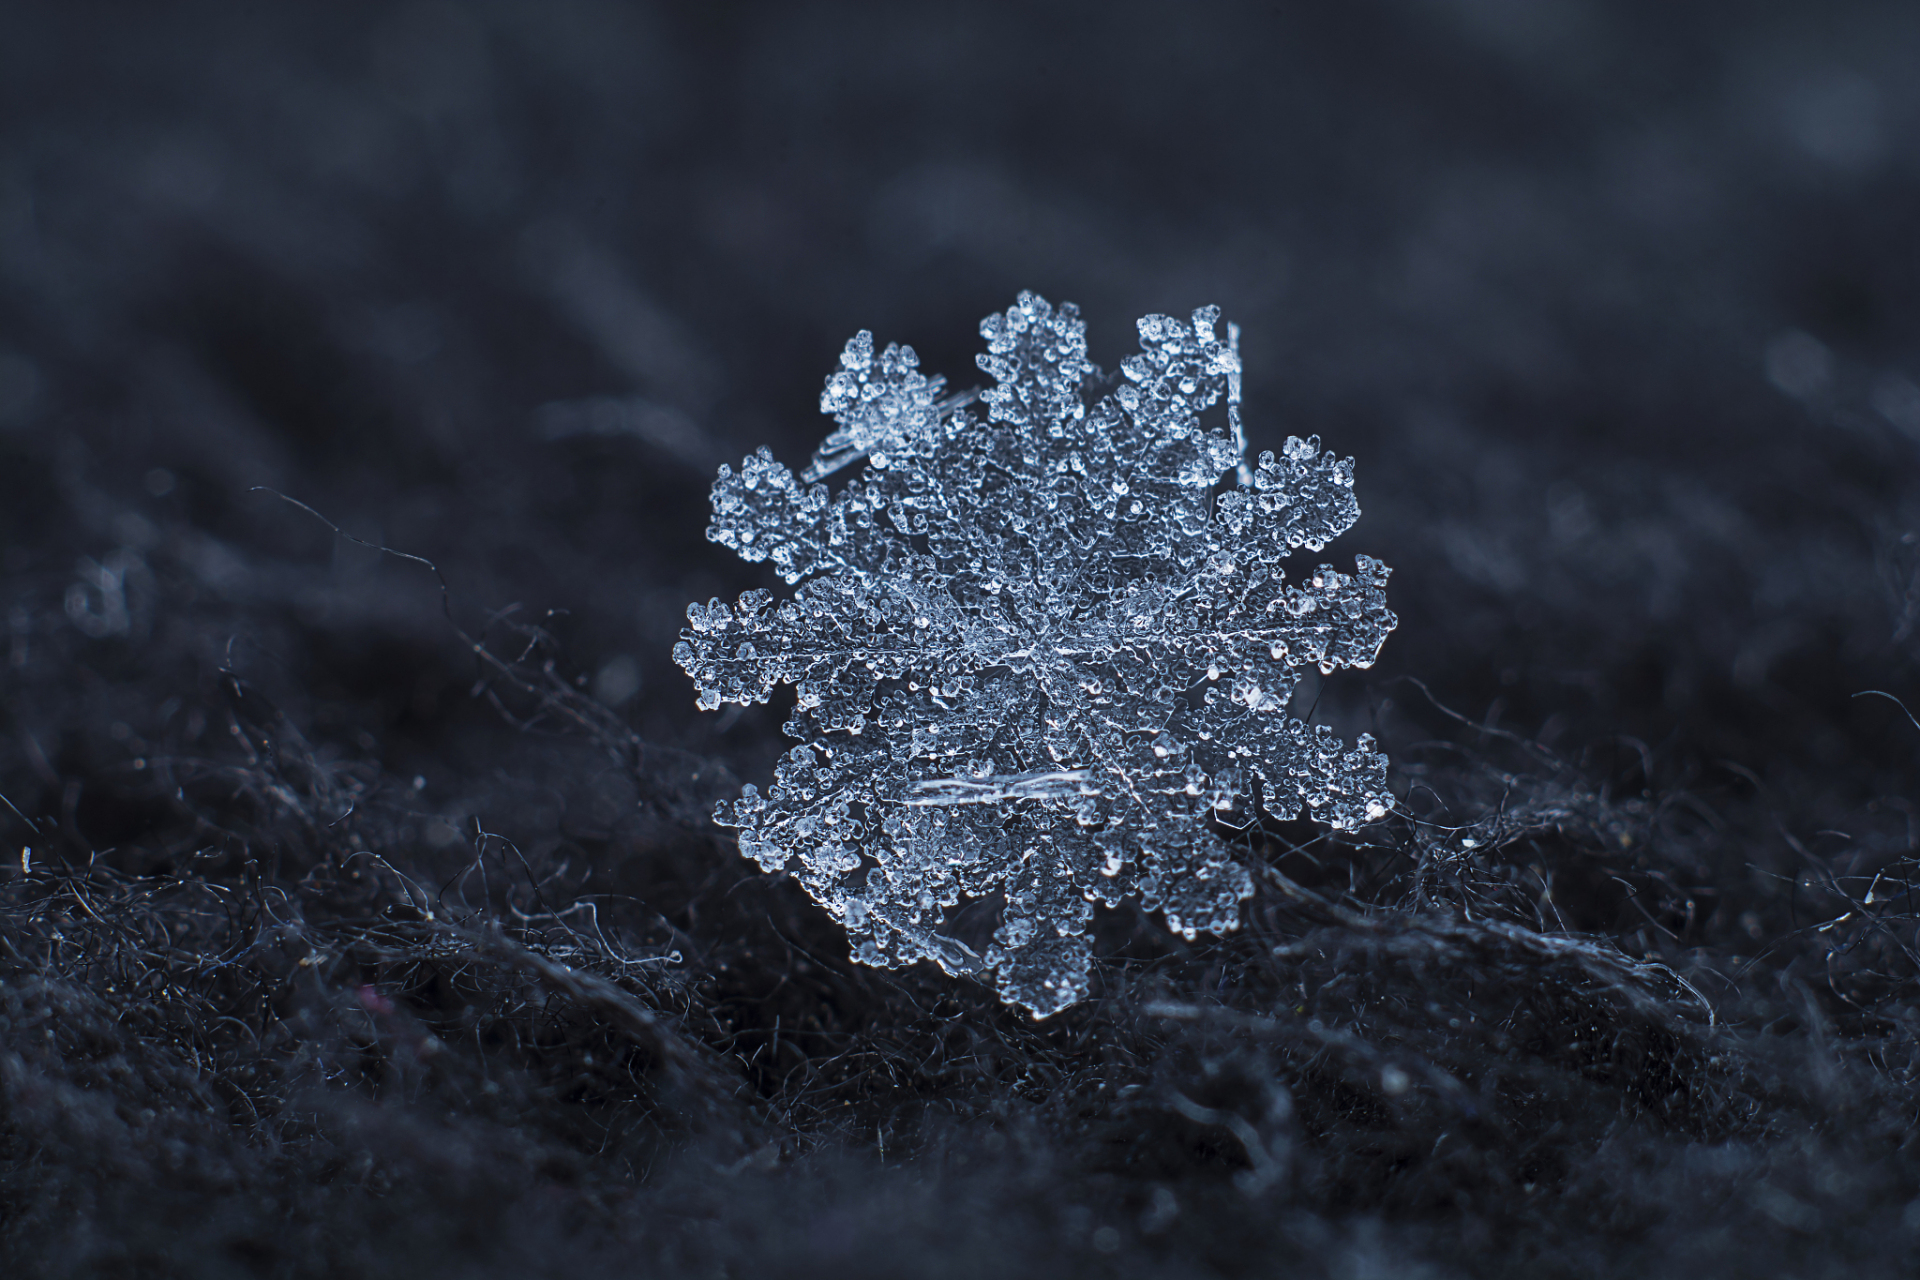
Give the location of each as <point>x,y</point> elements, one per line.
<point>1033,654</point>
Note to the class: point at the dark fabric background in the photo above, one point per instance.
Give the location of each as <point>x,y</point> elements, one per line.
<point>1616,305</point>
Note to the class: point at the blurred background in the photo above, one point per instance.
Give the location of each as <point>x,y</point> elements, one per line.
<point>1613,303</point>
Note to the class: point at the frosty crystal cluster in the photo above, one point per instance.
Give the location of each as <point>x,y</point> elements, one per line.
<point>1032,652</point>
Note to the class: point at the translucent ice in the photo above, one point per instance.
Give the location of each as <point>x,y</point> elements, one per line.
<point>1032,654</point>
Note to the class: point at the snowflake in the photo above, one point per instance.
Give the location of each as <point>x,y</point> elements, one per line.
<point>1033,654</point>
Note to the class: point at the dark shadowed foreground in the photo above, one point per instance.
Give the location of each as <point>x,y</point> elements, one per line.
<point>362,916</point>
